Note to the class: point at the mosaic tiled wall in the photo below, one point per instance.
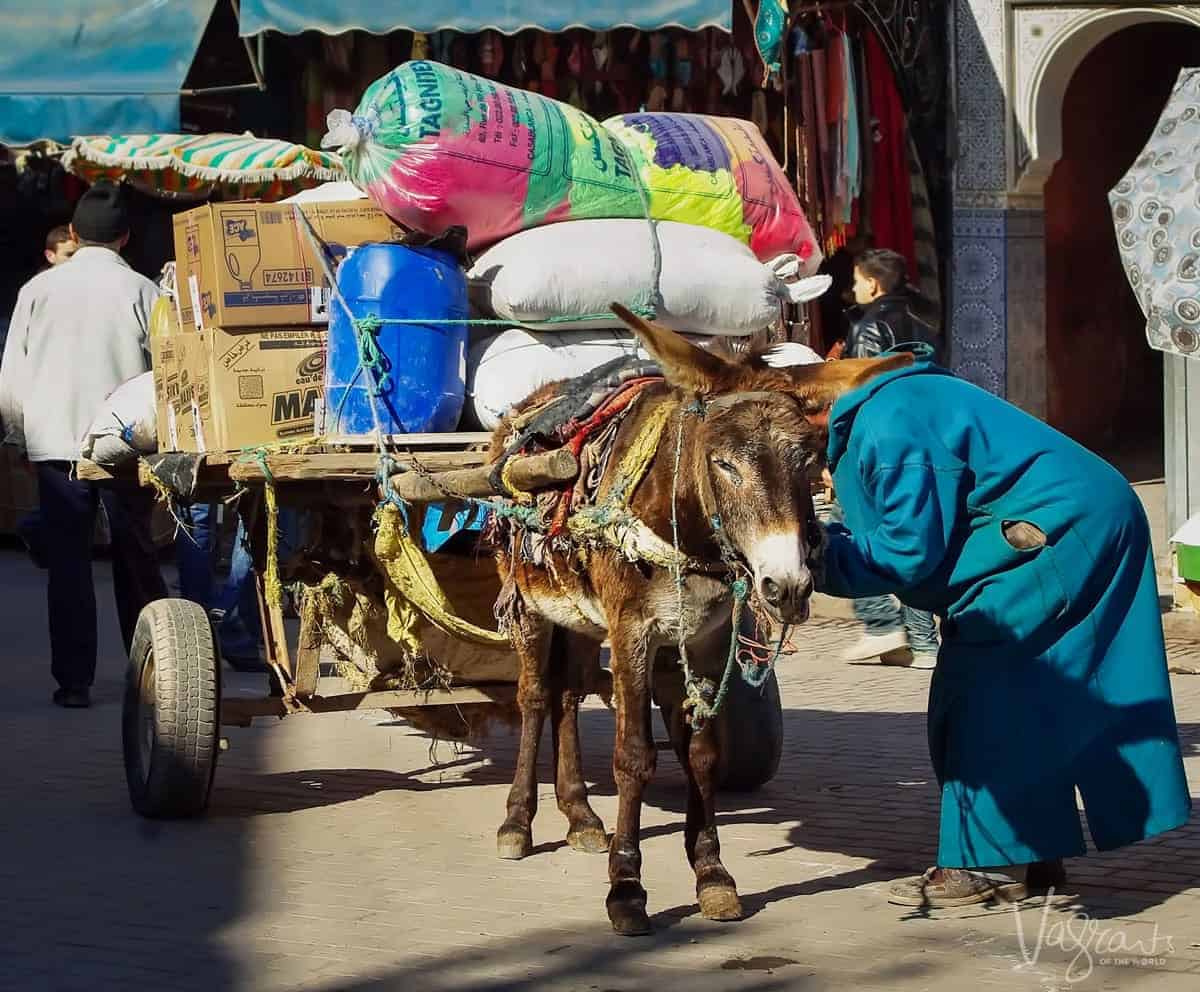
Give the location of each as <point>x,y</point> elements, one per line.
<point>979,268</point>
<point>978,276</point>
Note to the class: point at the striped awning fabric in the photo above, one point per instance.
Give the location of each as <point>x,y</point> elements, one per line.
<point>179,165</point>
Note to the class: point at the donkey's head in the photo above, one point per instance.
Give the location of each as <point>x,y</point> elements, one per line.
<point>751,456</point>
<point>751,444</point>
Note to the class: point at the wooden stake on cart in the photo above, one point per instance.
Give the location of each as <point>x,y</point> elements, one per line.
<point>308,654</point>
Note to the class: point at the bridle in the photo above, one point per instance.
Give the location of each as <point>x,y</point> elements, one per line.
<point>704,699</point>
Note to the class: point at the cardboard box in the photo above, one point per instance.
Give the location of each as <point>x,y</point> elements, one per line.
<point>251,264</point>
<point>187,389</point>
<point>172,357</point>
<point>166,389</point>
<point>256,387</point>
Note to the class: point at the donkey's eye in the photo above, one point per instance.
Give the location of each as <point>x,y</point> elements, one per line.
<point>728,469</point>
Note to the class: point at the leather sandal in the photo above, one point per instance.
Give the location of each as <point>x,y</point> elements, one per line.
<point>943,888</point>
<point>946,888</point>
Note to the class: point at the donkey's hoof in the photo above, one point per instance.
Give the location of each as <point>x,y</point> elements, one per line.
<point>589,840</point>
<point>513,843</point>
<point>627,909</point>
<point>721,903</point>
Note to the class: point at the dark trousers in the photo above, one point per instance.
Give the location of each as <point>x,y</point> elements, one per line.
<point>240,629</point>
<point>68,509</point>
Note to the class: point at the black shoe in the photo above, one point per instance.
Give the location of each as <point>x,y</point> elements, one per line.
<point>1041,876</point>
<point>72,699</point>
<point>1041,879</point>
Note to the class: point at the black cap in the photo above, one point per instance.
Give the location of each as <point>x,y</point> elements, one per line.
<point>102,214</point>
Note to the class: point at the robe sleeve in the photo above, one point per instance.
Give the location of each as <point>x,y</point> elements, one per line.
<point>916,502</point>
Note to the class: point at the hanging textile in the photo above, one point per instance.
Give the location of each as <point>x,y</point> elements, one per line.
<point>808,169</point>
<point>812,183</point>
<point>835,109</point>
<point>770,26</point>
<point>891,200</point>
<point>828,182</point>
<point>926,275</point>
<point>853,146</point>
<point>867,153</point>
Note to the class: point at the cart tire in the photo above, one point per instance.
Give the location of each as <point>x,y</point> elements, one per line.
<point>749,731</point>
<point>170,718</point>
<point>750,735</point>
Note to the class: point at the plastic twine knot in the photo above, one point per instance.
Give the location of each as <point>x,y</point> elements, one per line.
<point>370,355</point>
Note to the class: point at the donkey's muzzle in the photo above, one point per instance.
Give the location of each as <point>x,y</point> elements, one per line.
<point>787,596</point>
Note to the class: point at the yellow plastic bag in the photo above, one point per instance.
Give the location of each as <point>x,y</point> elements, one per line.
<point>162,317</point>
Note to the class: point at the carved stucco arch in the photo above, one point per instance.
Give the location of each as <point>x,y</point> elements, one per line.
<point>1050,43</point>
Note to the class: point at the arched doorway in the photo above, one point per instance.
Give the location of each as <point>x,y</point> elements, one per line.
<point>1104,384</point>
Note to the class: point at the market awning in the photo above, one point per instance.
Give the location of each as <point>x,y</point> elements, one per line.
<point>79,67</point>
<point>337,16</point>
<point>239,166</point>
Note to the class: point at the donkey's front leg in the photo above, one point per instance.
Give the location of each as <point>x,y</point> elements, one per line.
<point>531,638</point>
<point>715,887</point>
<point>634,760</point>
<point>572,660</point>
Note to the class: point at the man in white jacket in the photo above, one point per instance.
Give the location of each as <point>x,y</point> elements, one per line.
<point>78,331</point>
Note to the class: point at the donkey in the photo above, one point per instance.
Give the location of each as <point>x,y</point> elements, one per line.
<point>731,469</point>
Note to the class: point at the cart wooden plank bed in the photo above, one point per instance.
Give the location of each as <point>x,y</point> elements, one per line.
<point>173,706</point>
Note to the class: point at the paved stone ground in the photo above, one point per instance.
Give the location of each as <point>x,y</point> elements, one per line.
<point>343,853</point>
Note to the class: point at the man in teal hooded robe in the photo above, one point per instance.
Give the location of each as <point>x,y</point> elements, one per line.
<point>1052,674</point>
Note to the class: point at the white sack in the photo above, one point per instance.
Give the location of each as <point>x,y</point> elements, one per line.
<point>126,425</point>
<point>711,283</point>
<point>335,192</point>
<point>505,368</point>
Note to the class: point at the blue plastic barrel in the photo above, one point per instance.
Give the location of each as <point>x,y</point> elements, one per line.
<point>425,363</point>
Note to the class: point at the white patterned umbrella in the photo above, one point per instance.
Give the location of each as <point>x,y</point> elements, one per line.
<point>1156,210</point>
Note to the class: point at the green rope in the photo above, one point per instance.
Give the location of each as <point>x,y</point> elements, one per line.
<point>698,690</point>
<point>370,356</point>
<point>372,322</point>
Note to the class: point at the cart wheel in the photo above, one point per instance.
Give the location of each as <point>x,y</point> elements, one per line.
<point>749,732</point>
<point>170,717</point>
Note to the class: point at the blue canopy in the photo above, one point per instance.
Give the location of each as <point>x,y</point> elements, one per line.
<point>84,67</point>
<point>382,16</point>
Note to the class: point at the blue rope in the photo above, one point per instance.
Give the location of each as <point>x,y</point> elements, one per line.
<point>126,434</point>
<point>383,475</point>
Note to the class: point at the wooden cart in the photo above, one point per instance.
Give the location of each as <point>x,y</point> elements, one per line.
<point>174,709</point>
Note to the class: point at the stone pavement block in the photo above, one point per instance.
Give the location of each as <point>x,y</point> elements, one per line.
<point>337,855</point>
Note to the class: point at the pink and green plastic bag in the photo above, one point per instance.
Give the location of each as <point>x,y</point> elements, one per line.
<point>435,147</point>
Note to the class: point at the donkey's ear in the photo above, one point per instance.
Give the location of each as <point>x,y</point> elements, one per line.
<point>683,364</point>
<point>817,387</point>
